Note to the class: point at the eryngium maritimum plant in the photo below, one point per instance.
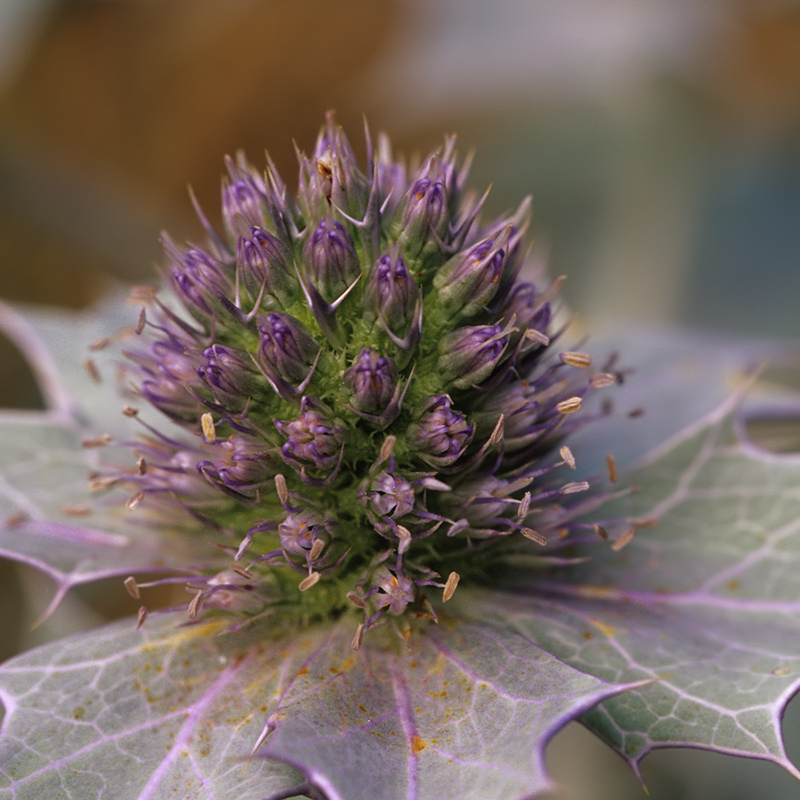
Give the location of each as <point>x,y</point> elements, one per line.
<point>367,415</point>
<point>372,401</point>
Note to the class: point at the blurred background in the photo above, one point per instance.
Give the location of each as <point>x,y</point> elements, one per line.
<point>660,140</point>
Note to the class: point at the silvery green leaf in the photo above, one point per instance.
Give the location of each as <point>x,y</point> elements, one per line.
<point>459,710</point>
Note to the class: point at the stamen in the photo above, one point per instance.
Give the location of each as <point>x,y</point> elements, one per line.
<point>356,599</point>
<point>576,359</point>
<point>134,500</point>
<point>601,532</point>
<point>624,539</point>
<point>132,587</point>
<point>569,406</point>
<point>142,616</point>
<point>141,321</point>
<point>76,511</point>
<point>130,411</point>
<point>310,580</point>
<point>280,487</point>
<point>141,466</point>
<point>90,366</point>
<point>98,484</point>
<point>536,336</point>
<point>196,604</point>
<point>316,549</point>
<point>602,380</point>
<point>404,535</point>
<point>358,639</point>
<point>524,506</point>
<point>100,344</point>
<point>574,487</point>
<point>611,463</point>
<point>387,447</point>
<point>209,431</point>
<point>534,536</point>
<point>450,586</point>
<point>568,458</point>
<point>97,441</point>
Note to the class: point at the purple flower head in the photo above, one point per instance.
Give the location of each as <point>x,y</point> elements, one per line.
<point>388,495</point>
<point>391,292</point>
<point>441,434</point>
<point>331,259</point>
<point>469,355</point>
<point>298,531</point>
<point>313,441</point>
<point>395,590</point>
<point>265,261</point>
<point>286,351</point>
<point>371,379</point>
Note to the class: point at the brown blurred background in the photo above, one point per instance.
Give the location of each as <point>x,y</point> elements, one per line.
<point>660,141</point>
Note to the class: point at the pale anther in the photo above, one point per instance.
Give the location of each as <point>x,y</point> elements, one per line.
<point>316,549</point>
<point>404,535</point>
<point>130,411</point>
<point>310,580</point>
<point>196,604</point>
<point>569,406</point>
<point>134,500</point>
<point>611,464</point>
<point>97,441</point>
<point>141,617</point>
<point>624,539</point>
<point>100,344</point>
<point>356,599</point>
<point>387,447</point>
<point>280,487</point>
<point>576,359</point>
<point>450,586</point>
<point>132,587</point>
<point>524,506</point>
<point>602,380</point>
<point>534,536</point>
<point>209,431</point>
<point>574,487</point>
<point>358,639</point>
<point>141,465</point>
<point>91,368</point>
<point>567,457</point>
<point>141,321</point>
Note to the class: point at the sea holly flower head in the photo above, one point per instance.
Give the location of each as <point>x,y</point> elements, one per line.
<point>365,470</point>
<point>328,377</point>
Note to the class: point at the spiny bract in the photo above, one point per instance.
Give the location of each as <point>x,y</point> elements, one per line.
<point>371,402</point>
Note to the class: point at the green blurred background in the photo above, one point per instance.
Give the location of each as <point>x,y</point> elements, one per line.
<point>660,140</point>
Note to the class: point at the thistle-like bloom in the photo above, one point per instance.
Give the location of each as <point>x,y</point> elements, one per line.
<point>364,388</point>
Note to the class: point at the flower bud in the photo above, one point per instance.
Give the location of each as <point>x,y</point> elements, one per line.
<point>331,259</point>
<point>243,204</point>
<point>286,351</point>
<point>242,464</point>
<point>197,278</point>
<point>313,440</point>
<point>470,280</point>
<point>228,371</point>
<point>371,379</point>
<point>391,292</point>
<point>441,435</point>
<point>524,304</point>
<point>265,261</point>
<point>425,215</point>
<point>468,355</point>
